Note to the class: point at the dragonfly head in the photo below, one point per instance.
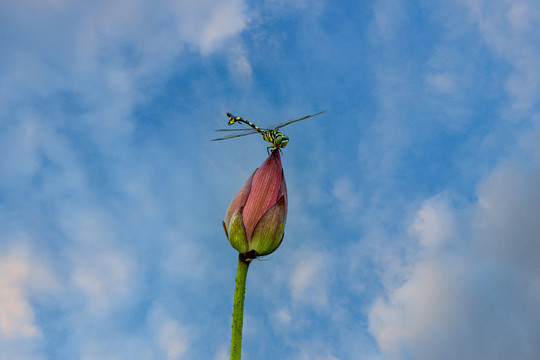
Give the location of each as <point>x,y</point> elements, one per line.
<point>282,140</point>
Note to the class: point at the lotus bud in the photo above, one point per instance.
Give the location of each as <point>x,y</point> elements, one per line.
<point>255,220</point>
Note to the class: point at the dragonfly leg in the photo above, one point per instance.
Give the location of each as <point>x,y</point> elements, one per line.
<point>271,148</point>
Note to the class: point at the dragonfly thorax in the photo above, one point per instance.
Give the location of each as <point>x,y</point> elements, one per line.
<point>275,137</point>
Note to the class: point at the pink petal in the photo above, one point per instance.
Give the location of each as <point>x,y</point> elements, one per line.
<point>265,188</point>
<point>239,199</point>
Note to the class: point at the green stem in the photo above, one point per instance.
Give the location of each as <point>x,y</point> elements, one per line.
<point>238,307</point>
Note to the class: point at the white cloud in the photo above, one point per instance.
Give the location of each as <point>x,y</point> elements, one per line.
<point>239,64</point>
<point>104,278</point>
<point>388,15</point>
<point>309,279</point>
<point>160,31</point>
<point>443,82</point>
<point>220,20</point>
<point>349,198</point>
<point>316,355</point>
<point>511,29</point>
<point>19,151</point>
<point>101,57</point>
<point>106,54</point>
<point>417,312</point>
<point>99,268</point>
<point>223,354</point>
<point>72,74</point>
<point>16,312</point>
<point>283,316</point>
<point>474,297</point>
<point>172,339</point>
<point>434,224</point>
<point>523,15</point>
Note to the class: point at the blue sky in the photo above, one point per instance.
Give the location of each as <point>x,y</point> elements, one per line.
<point>412,228</point>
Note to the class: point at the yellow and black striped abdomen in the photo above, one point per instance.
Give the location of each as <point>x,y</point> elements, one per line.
<point>234,119</point>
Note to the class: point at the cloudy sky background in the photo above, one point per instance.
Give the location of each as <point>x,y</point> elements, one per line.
<point>414,201</point>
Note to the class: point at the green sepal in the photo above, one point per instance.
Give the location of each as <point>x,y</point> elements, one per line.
<point>268,232</point>
<point>237,232</point>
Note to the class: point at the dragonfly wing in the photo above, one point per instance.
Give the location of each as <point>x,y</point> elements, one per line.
<point>235,135</point>
<point>235,130</point>
<point>289,122</point>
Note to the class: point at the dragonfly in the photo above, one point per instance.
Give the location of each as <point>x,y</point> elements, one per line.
<point>272,135</point>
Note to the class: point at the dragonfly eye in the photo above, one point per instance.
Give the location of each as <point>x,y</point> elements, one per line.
<point>283,141</point>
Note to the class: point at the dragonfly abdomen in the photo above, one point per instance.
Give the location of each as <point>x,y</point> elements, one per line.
<point>234,119</point>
